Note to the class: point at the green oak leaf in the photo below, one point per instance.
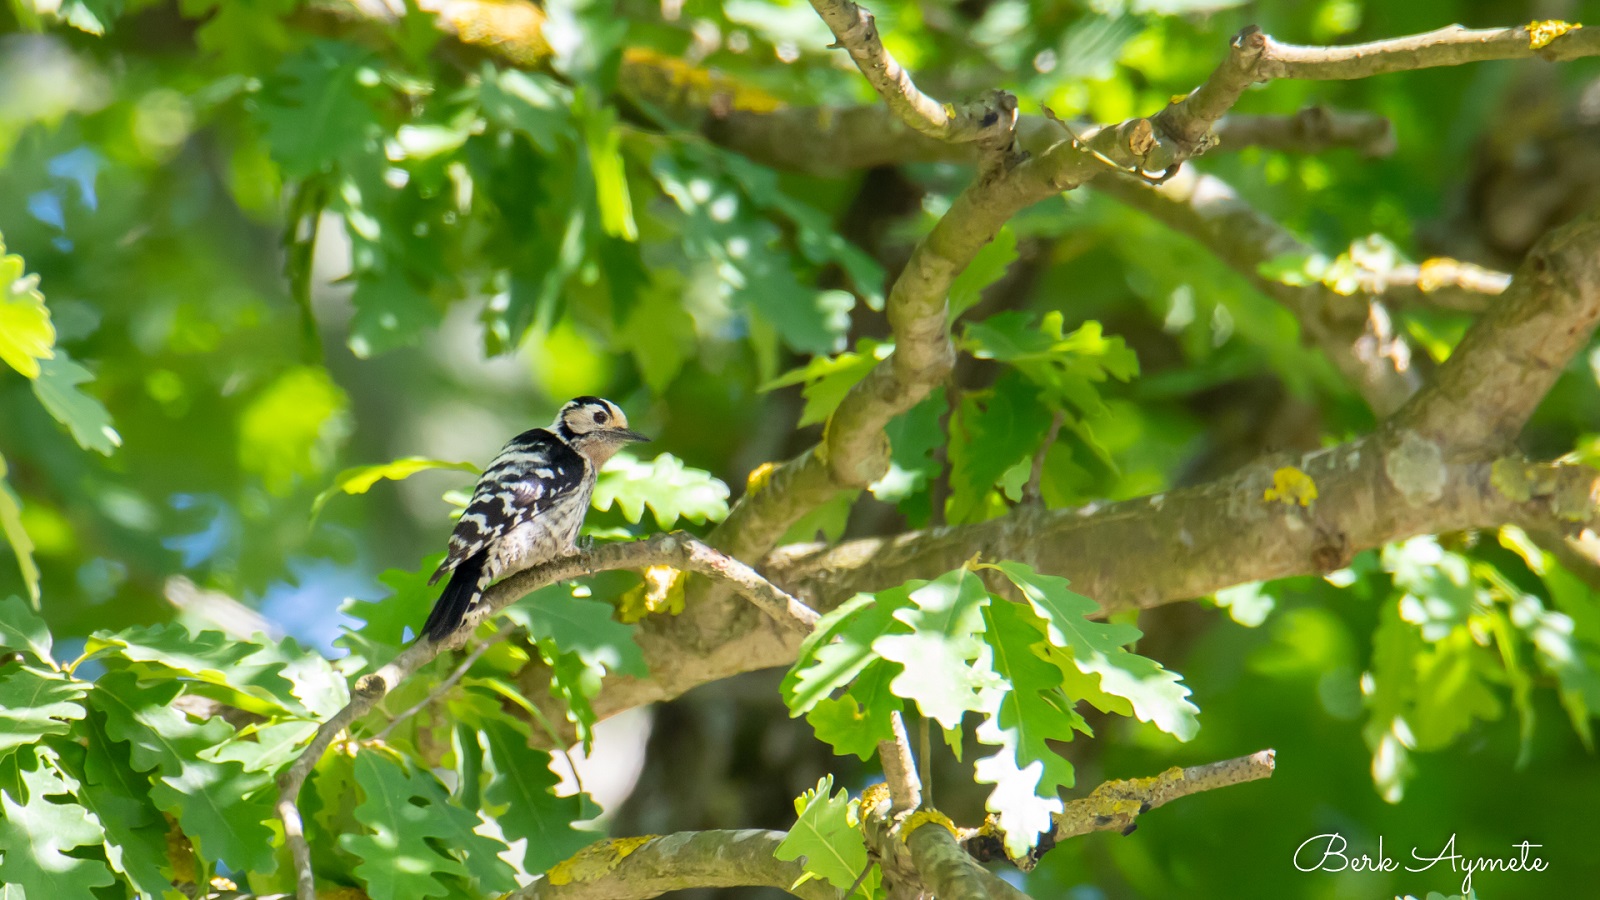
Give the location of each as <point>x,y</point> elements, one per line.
<point>26,333</point>
<point>212,657</point>
<point>940,657</point>
<point>1029,712</point>
<point>528,102</point>
<point>86,417</point>
<point>989,435</point>
<point>314,109</point>
<point>1098,650</point>
<point>671,489</point>
<point>828,379</point>
<point>38,835</point>
<point>36,702</point>
<point>414,835</point>
<point>856,721</point>
<point>222,807</point>
<point>522,799</point>
<point>841,646</point>
<point>827,837</point>
<point>360,479</point>
<point>136,832</point>
<point>386,619</point>
<point>582,626</point>
<point>22,629</point>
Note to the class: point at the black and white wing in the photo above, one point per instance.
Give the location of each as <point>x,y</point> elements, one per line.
<point>535,471</point>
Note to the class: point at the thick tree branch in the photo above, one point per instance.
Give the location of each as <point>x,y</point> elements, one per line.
<point>675,549</point>
<point>1504,367</point>
<point>619,870</point>
<point>1194,541</point>
<point>947,869</point>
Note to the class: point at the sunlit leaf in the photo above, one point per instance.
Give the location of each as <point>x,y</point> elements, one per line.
<point>360,479</point>
<point>36,702</point>
<point>825,836</point>
<point>87,418</point>
<point>405,813</point>
<point>26,334</point>
<point>22,629</point>
<point>1098,650</point>
<point>671,489</point>
<point>939,658</point>
<point>38,837</point>
<point>222,807</point>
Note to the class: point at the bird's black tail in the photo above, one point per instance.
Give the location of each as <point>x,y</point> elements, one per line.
<point>458,597</point>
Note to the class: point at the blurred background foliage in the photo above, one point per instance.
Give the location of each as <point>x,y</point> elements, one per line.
<point>276,240</point>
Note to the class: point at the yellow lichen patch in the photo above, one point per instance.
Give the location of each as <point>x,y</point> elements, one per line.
<point>922,817</point>
<point>759,476</point>
<point>872,795</point>
<point>596,859</point>
<point>1291,486</point>
<point>1540,34</point>
<point>514,29</point>
<point>661,592</point>
<point>668,80</point>
<point>223,884</point>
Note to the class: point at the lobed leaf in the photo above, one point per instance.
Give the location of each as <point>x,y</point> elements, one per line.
<point>1097,650</point>
<point>222,807</point>
<point>523,800</point>
<point>39,837</point>
<point>941,671</point>
<point>414,835</point>
<point>826,838</point>
<point>672,490</point>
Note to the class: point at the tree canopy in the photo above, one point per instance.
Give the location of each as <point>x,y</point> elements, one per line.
<point>1059,412</point>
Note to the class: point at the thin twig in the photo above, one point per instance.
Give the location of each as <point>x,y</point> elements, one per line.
<point>1115,805</point>
<point>1031,492</point>
<point>445,685</point>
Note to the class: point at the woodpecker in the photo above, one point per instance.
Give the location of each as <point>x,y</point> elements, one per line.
<point>528,505</point>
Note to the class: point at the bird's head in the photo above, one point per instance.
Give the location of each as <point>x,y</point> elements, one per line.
<point>594,427</point>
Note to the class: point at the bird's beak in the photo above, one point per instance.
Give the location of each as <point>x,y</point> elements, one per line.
<point>625,436</point>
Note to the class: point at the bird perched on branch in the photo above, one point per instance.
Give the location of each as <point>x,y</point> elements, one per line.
<point>528,505</point>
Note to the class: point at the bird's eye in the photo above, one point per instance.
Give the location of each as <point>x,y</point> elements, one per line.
<point>601,417</point>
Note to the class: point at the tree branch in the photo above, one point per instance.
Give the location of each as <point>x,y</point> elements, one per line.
<point>899,772</point>
<point>1194,541</point>
<point>1115,805</point>
<point>1505,365</point>
<point>1357,338</point>
<point>825,140</point>
<point>947,869</point>
<point>619,870</point>
<point>1449,46</point>
<point>988,122</point>
<point>675,549</point>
